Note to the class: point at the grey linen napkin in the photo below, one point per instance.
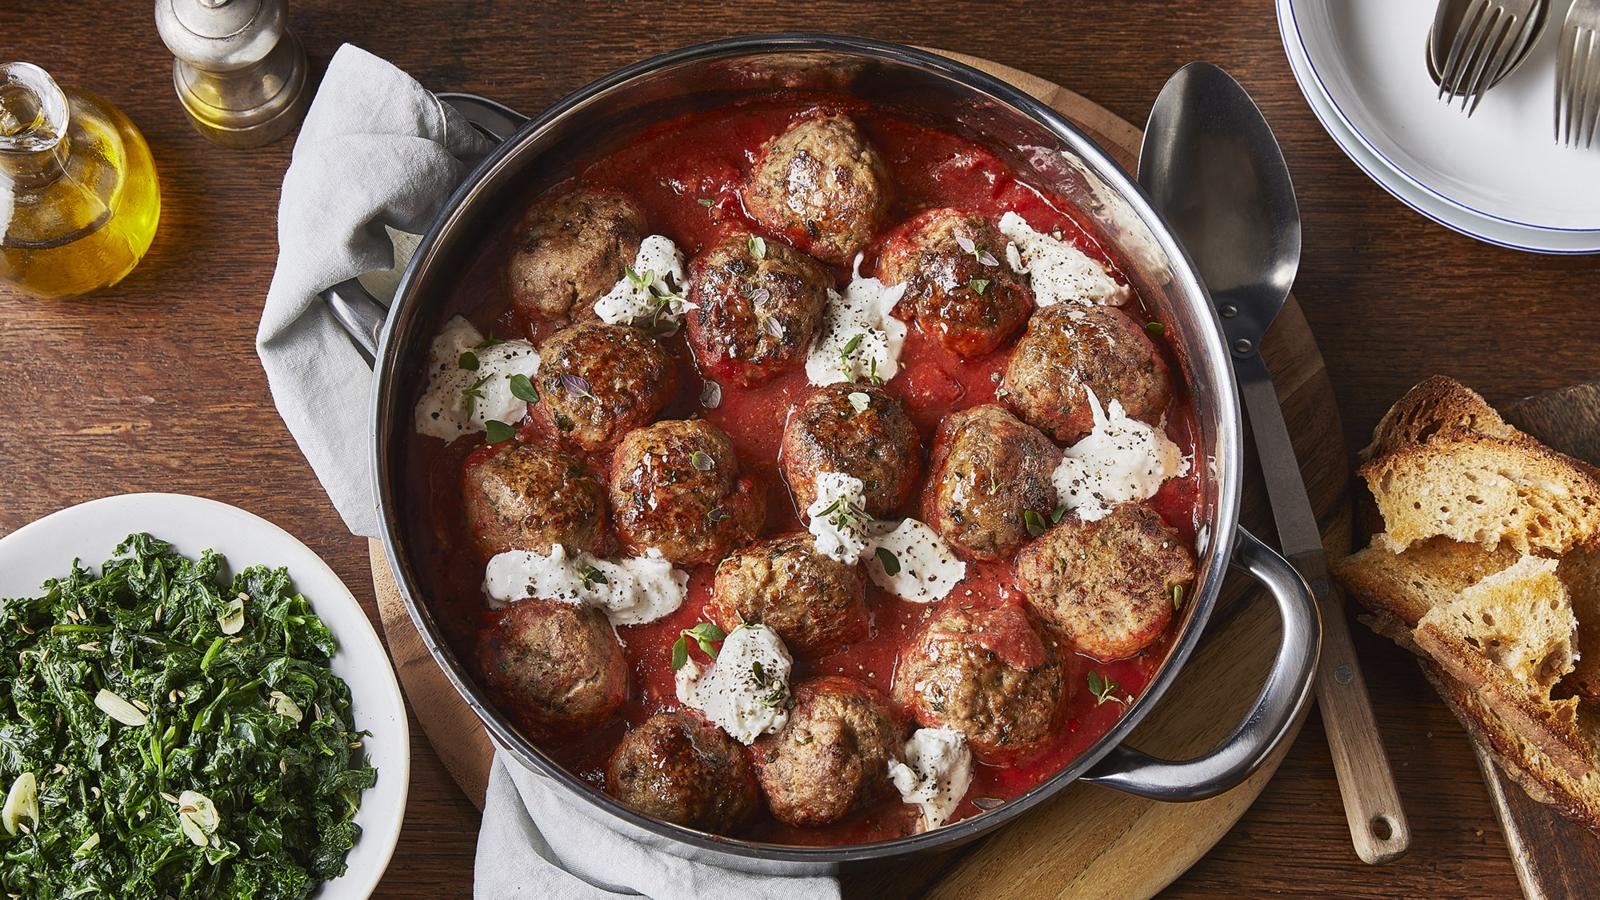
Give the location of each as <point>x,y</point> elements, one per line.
<point>375,160</point>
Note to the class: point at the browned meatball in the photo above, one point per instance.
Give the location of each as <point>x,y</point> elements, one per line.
<point>597,382</point>
<point>833,757</point>
<point>988,673</point>
<point>528,497</point>
<point>876,443</point>
<point>815,603</point>
<point>676,486</point>
<point>1107,586</point>
<point>1069,347</point>
<point>989,471</point>
<point>678,767</point>
<point>569,250</point>
<point>967,298</point>
<point>821,185</point>
<point>759,304</point>
<point>558,663</point>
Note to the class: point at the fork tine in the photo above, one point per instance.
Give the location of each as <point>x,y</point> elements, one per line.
<point>1582,86</point>
<point>1591,92</point>
<point>1477,62</point>
<point>1564,85</point>
<point>1450,75</point>
<point>1498,49</point>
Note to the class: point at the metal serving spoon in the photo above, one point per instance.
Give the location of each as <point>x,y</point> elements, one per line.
<point>1214,170</point>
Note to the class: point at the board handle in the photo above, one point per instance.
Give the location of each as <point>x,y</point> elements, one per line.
<point>1270,719</point>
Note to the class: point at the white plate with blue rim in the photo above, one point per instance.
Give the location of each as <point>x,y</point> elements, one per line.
<point>90,532</point>
<point>1499,177</point>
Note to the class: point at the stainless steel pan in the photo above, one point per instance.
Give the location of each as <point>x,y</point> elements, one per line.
<point>1048,151</point>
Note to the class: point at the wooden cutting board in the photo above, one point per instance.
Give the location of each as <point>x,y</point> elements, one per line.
<point>1554,857</point>
<point>1088,841</point>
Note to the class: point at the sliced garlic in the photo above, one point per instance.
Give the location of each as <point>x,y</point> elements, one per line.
<point>284,705</point>
<point>198,817</point>
<point>119,709</point>
<point>22,802</point>
<point>232,619</point>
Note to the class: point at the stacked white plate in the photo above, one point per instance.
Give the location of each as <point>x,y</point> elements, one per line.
<point>1499,176</point>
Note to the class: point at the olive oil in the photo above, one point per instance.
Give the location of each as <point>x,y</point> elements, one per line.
<point>79,199</point>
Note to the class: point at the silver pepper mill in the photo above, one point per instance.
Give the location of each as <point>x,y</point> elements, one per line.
<point>240,72</point>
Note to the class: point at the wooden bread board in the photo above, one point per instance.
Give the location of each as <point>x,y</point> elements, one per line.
<point>1088,841</point>
<point>1554,856</point>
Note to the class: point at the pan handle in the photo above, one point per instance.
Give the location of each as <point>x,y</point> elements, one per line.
<point>1274,713</point>
<point>359,313</point>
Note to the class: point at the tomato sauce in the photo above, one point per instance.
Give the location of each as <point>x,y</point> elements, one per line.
<point>685,175</point>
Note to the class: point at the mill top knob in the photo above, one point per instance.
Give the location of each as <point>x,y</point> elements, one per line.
<point>238,69</point>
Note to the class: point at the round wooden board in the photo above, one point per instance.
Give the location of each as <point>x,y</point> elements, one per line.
<point>1089,841</point>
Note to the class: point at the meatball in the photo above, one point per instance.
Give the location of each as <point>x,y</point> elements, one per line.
<point>1070,349</point>
<point>968,299</point>
<point>1107,586</point>
<point>559,663</point>
<point>859,430</point>
<point>988,673</point>
<point>528,497</point>
<point>815,603</point>
<point>821,185</point>
<point>990,471</point>
<point>833,757</point>
<point>597,382</point>
<point>759,304</point>
<point>676,486</point>
<point>678,767</point>
<point>569,250</point>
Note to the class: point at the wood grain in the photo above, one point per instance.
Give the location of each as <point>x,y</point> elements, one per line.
<point>152,385</point>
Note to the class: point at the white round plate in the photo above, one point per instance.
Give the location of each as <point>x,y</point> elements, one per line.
<point>1498,176</point>
<point>90,532</point>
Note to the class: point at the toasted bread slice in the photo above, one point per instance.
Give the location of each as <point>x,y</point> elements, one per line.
<point>1407,585</point>
<point>1580,572</point>
<point>1484,490</point>
<point>1519,619</point>
<point>1436,405</point>
<point>1575,795</point>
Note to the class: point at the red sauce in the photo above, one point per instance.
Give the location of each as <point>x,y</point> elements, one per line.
<point>685,175</point>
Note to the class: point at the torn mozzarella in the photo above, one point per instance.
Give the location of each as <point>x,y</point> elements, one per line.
<point>629,591</point>
<point>1058,271</point>
<point>859,337</point>
<point>838,519</point>
<point>936,774</point>
<point>651,293</point>
<point>459,400</point>
<point>1122,459</point>
<point>926,568</point>
<point>746,690</point>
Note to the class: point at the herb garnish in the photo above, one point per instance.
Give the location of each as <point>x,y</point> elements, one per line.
<point>1155,329</point>
<point>522,388</point>
<point>707,202</point>
<point>979,284</point>
<point>890,562</point>
<point>758,246</point>
<point>1103,688</point>
<point>496,431</point>
<point>1177,597</point>
<point>472,394</point>
<point>577,385</point>
<point>467,360</point>
<point>1034,522</point>
<point>704,634</point>
<point>217,791</point>
<point>1057,513</point>
<point>592,575</point>
<point>702,460</point>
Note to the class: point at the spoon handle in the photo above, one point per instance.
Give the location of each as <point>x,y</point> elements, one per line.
<point>1378,826</point>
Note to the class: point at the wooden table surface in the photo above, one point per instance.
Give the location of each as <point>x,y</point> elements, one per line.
<point>155,385</point>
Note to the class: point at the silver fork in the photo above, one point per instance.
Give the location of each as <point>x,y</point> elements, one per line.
<point>1490,34</point>
<point>1578,74</point>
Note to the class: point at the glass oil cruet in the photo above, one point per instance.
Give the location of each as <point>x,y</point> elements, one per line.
<point>78,194</point>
